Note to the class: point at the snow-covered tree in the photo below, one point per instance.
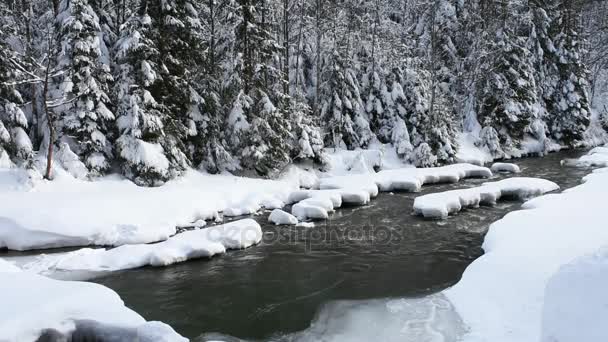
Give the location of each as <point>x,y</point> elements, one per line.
<point>343,110</point>
<point>507,93</point>
<point>87,120</point>
<point>258,120</point>
<point>562,76</point>
<point>157,107</point>
<point>14,139</point>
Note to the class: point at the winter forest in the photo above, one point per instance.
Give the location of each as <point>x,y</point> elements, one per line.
<point>150,88</point>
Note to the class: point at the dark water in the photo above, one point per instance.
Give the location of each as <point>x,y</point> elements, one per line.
<point>377,251</point>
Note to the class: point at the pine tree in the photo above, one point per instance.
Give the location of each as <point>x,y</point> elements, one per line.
<point>157,107</point>
<point>13,123</point>
<point>342,107</point>
<point>258,118</point>
<point>306,137</point>
<point>561,75</point>
<point>86,121</point>
<point>507,94</point>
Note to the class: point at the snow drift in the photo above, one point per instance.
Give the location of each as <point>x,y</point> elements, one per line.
<point>442,204</point>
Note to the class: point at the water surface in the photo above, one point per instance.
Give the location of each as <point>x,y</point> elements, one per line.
<point>377,251</point>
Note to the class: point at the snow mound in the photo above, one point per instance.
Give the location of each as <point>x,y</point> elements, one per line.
<point>34,305</point>
<point>115,212</point>
<point>317,204</point>
<point>442,204</point>
<point>412,180</point>
<point>358,161</point>
<point>203,243</point>
<point>505,167</point>
<point>279,217</point>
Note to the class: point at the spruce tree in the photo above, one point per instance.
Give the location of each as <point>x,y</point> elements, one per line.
<point>258,118</point>
<point>157,108</point>
<point>507,94</point>
<point>14,139</point>
<point>87,120</point>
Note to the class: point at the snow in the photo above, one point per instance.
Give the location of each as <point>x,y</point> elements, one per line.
<point>506,295</point>
<point>202,243</point>
<point>280,217</point>
<point>37,303</point>
<point>597,157</point>
<point>505,167</point>
<point>442,204</point>
<point>469,153</point>
<point>114,212</point>
<point>543,277</point>
<point>572,296</point>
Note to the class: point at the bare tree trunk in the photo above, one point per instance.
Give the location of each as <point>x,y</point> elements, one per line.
<point>374,35</point>
<point>299,47</point>
<point>318,55</point>
<point>55,4</point>
<point>286,46</point>
<point>50,122</point>
<point>211,55</point>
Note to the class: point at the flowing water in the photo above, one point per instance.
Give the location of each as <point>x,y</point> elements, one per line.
<point>377,251</point>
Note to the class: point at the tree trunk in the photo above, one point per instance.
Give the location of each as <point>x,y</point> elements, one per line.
<point>286,47</point>
<point>49,118</point>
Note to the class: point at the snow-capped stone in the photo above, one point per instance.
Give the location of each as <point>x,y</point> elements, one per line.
<point>505,167</point>
<point>279,217</point>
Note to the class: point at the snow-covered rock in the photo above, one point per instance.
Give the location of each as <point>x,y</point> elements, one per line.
<point>505,167</point>
<point>202,243</point>
<point>33,304</point>
<point>279,217</point>
<point>305,211</point>
<point>442,204</point>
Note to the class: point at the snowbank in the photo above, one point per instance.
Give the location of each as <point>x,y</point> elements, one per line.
<point>279,217</point>
<point>442,204</point>
<point>522,289</point>
<point>505,167</point>
<point>185,246</point>
<point>114,212</point>
<point>598,157</point>
<point>33,304</point>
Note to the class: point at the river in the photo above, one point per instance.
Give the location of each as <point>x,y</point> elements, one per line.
<point>377,251</point>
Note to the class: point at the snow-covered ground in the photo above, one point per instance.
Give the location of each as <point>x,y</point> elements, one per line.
<point>114,212</point>
<point>32,303</point>
<point>442,204</point>
<point>543,277</point>
<point>202,243</point>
